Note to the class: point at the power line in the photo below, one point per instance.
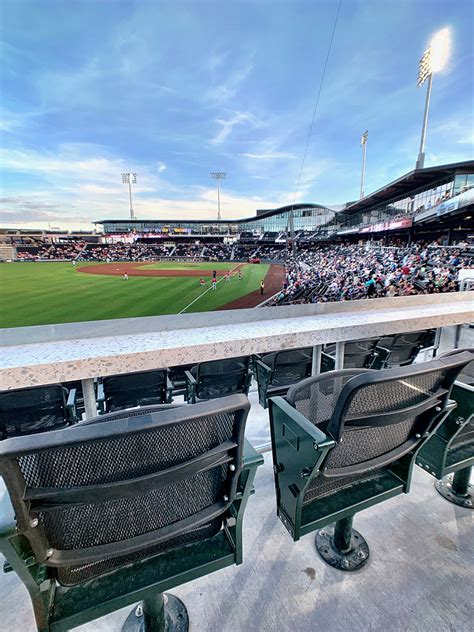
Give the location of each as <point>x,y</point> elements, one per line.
<point>317,100</point>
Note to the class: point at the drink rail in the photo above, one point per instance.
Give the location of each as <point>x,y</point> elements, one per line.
<point>34,356</point>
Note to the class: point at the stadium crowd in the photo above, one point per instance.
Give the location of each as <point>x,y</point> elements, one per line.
<point>341,273</point>
<point>123,252</point>
<point>51,252</point>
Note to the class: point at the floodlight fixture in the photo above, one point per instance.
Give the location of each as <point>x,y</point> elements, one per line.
<point>217,176</point>
<point>434,60</point>
<point>130,178</point>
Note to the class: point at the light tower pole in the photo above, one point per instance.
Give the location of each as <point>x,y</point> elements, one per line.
<point>363,142</point>
<point>433,60</point>
<point>130,178</point>
<point>218,175</point>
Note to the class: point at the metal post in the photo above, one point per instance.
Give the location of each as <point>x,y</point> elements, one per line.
<point>316,360</point>
<point>339,363</point>
<point>218,175</point>
<point>343,535</point>
<point>460,482</point>
<point>364,149</point>
<point>457,336</point>
<point>154,618</point>
<point>90,402</point>
<point>437,341</point>
<point>291,226</point>
<point>421,155</point>
<point>132,214</point>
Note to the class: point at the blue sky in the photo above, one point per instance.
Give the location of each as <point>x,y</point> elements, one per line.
<point>175,90</point>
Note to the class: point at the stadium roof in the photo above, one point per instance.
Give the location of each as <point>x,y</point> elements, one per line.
<point>407,183</point>
<point>260,215</point>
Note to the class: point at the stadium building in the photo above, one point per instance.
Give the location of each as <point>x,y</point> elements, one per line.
<point>432,203</point>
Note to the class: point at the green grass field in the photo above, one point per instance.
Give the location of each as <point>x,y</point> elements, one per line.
<point>46,293</point>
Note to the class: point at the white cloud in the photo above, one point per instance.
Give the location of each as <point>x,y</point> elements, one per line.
<point>467,140</point>
<point>227,89</point>
<point>268,156</point>
<point>228,125</point>
<point>161,167</point>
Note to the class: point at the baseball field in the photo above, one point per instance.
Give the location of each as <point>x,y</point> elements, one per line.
<point>41,293</point>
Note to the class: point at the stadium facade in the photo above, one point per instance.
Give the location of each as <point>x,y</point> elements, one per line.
<point>434,199</point>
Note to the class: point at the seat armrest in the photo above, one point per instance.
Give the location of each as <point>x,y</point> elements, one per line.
<point>255,357</point>
<point>264,375</point>
<point>191,384</point>
<point>169,389</point>
<point>251,458</point>
<point>7,514</point>
<point>298,422</point>
<point>100,397</point>
<point>299,451</point>
<point>71,405</point>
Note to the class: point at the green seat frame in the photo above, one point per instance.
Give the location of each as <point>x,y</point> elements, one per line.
<point>301,451</point>
<point>58,608</point>
<point>449,458</point>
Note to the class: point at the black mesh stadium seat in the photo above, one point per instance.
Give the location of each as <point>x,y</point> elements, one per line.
<point>218,378</point>
<point>357,355</point>
<point>449,454</point>
<point>402,349</point>
<point>129,501</point>
<point>145,388</point>
<point>346,440</point>
<point>276,371</point>
<point>37,409</point>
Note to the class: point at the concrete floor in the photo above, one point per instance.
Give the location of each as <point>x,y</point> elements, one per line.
<point>419,578</point>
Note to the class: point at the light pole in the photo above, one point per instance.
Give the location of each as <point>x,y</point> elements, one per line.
<point>433,60</point>
<point>291,228</point>
<point>130,178</point>
<point>363,142</point>
<point>218,175</point>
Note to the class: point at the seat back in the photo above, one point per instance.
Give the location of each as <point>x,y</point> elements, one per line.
<point>125,486</point>
<point>290,366</point>
<point>377,417</point>
<point>221,377</point>
<point>32,410</point>
<point>357,354</point>
<point>135,389</point>
<point>404,348</point>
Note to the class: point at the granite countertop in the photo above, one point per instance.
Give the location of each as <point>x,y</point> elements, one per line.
<point>62,360</point>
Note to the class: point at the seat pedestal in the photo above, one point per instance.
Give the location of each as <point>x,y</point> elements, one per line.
<point>159,613</point>
<point>456,488</point>
<point>342,547</point>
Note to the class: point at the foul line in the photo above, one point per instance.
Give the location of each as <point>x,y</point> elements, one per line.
<point>208,290</point>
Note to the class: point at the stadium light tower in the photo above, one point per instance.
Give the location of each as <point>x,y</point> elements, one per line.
<point>363,142</point>
<point>434,60</point>
<point>130,178</point>
<point>218,175</point>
